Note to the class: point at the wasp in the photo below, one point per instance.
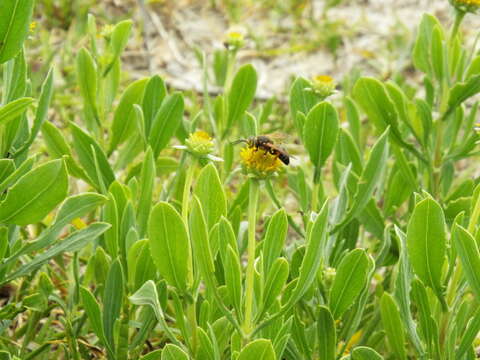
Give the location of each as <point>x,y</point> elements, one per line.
<point>266,144</point>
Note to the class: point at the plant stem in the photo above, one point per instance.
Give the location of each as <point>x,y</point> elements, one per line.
<point>250,277</point>
<point>191,311</point>
<point>459,15</point>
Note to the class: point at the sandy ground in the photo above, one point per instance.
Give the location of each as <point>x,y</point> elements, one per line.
<point>377,37</point>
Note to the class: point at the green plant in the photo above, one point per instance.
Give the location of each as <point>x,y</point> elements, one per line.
<point>131,233</point>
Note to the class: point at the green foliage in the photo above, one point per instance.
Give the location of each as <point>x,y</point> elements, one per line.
<point>123,236</point>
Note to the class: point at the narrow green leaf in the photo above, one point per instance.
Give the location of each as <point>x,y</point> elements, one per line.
<point>57,147</point>
<point>14,27</point>
<point>29,200</point>
<point>147,180</point>
<point>467,250</point>
<point>169,244</point>
<point>311,261</point>
<point>73,242</point>
<point>124,123</point>
<point>233,279</point>
<point>274,283</point>
<point>94,314</point>
<point>350,280</point>
<point>166,122</point>
<point>327,338</point>
<point>393,325</point>
<point>41,113</point>
<point>462,91</point>
<point>87,80</point>
<point>14,109</point>
<point>369,179</point>
<point>274,239</point>
<point>112,300</point>
<point>469,336</point>
<point>83,144</point>
<point>302,100</point>
<point>155,92</point>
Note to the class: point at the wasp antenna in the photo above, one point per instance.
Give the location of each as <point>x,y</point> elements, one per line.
<point>238,141</point>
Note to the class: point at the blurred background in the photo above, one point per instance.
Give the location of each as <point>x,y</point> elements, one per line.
<point>283,38</point>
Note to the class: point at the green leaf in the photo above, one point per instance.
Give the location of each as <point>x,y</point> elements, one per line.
<point>18,173</point>
<point>311,261</point>
<point>211,194</point>
<point>274,283</point>
<point>112,300</point>
<point>14,27</point>
<point>260,349</point>
<point>426,243</point>
<point>467,250</point>
<point>148,295</point>
<point>393,325</point>
<point>169,244</point>
<point>302,99</point>
<point>57,147</point>
<point>87,80</point>
<point>173,352</point>
<point>94,314</point>
<point>120,34</point>
<point>350,280</point>
<point>469,336</point>
<point>140,264</point>
<point>421,51</point>
<point>320,133</point>
<point>146,185</point>
<point>372,96</point>
<point>83,144</point>
<point>41,113</point>
<point>73,242</point>
<point>233,279</point>
<point>274,239</point>
<point>371,175</point>
<point>365,353</point>
<point>166,122</point>
<point>462,91</point>
<point>327,338</point>
<point>437,54</point>
<point>30,200</point>
<point>124,123</point>
<point>14,109</point>
<point>155,92</point>
<point>200,243</point>
<point>241,94</point>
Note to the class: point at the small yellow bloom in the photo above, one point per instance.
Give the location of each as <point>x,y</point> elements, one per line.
<point>259,162</point>
<point>234,39</point>
<point>323,85</point>
<point>199,143</point>
<point>32,26</point>
<point>471,6</point>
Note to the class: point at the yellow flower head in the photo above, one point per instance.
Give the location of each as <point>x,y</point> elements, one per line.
<point>471,6</point>
<point>234,39</point>
<point>32,26</point>
<point>323,85</point>
<point>199,143</point>
<point>259,162</point>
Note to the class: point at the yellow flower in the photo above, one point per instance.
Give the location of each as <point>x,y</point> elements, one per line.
<point>323,85</point>
<point>259,162</point>
<point>199,143</point>
<point>32,26</point>
<point>471,6</point>
<point>234,40</point>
